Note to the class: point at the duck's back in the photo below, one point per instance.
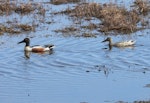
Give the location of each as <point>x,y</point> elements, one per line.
<point>124,43</point>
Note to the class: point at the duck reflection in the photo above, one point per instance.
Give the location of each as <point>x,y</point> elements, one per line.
<point>28,53</point>
<point>111,47</point>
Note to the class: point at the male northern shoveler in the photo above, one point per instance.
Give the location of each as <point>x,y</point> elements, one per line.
<point>36,48</point>
<point>119,44</point>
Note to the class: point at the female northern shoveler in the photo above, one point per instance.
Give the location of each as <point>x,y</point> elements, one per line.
<point>119,44</point>
<point>36,48</point>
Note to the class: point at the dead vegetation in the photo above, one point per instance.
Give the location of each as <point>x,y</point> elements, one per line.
<point>88,35</point>
<point>24,8</point>
<point>7,8</point>
<point>58,2</point>
<point>112,17</point>
<point>67,30</point>
<point>91,26</point>
<point>143,6</point>
<point>14,26</point>
<point>25,27</point>
<point>141,101</point>
<point>118,19</point>
<point>85,10</point>
<point>4,29</point>
<point>15,29</point>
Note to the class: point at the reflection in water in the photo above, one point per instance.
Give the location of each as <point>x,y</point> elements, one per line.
<point>28,53</point>
<point>129,47</point>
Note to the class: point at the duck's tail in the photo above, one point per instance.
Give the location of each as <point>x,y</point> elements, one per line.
<point>50,46</point>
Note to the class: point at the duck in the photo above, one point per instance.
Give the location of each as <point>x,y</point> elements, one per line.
<point>36,48</point>
<point>119,44</point>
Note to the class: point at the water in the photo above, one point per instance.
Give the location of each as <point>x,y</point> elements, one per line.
<point>78,70</point>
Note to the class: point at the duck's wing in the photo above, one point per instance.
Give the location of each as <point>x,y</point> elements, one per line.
<point>130,42</point>
<point>124,43</point>
<point>49,46</point>
<point>36,46</point>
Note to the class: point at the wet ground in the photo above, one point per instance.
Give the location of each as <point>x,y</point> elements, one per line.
<point>79,70</point>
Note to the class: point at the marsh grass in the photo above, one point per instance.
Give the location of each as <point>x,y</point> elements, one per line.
<point>141,102</point>
<point>67,30</point>
<point>6,7</point>
<point>58,2</point>
<point>111,16</point>
<point>15,27</point>
<point>84,10</point>
<point>143,6</point>
<point>118,19</point>
<point>21,8</point>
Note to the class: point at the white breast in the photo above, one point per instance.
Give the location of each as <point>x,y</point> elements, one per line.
<point>28,48</point>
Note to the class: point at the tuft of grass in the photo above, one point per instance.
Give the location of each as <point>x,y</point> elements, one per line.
<point>24,8</point>
<point>6,7</point>
<point>25,27</point>
<point>85,10</point>
<point>67,30</point>
<point>58,2</point>
<point>16,29</point>
<point>112,17</point>
<point>143,6</point>
<point>118,19</point>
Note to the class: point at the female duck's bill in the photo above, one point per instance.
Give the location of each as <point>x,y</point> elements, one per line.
<point>119,44</point>
<point>36,48</point>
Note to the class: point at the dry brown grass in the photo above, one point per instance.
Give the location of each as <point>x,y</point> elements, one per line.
<point>143,6</point>
<point>118,19</point>
<point>5,29</point>
<point>15,29</point>
<point>141,102</point>
<point>7,7</point>
<point>91,26</point>
<point>25,8</point>
<point>88,35</point>
<point>112,17</point>
<point>85,10</point>
<point>58,2</point>
<point>67,30</point>
<point>25,27</point>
